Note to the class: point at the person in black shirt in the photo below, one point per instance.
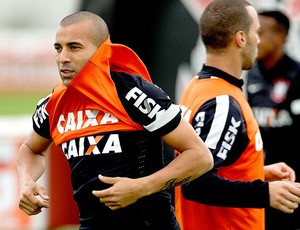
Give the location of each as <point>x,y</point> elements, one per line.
<point>109,120</point>
<point>273,92</point>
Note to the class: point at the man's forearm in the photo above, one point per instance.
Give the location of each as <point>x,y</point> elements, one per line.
<point>30,165</point>
<point>213,190</point>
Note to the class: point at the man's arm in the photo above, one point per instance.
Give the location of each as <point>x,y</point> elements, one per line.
<point>211,189</point>
<point>30,167</point>
<point>195,159</point>
<point>279,171</point>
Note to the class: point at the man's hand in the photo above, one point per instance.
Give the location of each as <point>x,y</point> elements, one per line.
<point>279,171</point>
<point>122,193</point>
<point>284,195</point>
<point>33,198</point>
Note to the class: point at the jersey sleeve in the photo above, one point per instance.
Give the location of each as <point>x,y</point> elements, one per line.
<point>147,104</point>
<point>211,189</point>
<point>220,124</point>
<point>40,118</point>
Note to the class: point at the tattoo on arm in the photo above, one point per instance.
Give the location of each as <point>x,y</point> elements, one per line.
<point>172,183</point>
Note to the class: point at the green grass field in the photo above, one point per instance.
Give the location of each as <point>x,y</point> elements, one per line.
<point>12,104</point>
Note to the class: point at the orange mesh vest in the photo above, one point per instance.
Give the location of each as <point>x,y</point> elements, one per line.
<point>192,215</point>
<point>90,103</point>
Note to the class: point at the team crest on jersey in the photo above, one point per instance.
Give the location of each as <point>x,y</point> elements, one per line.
<point>279,90</point>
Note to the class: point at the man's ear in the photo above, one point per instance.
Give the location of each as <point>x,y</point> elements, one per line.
<point>240,39</point>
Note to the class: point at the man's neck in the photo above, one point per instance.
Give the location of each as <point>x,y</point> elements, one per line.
<point>230,65</point>
<point>270,61</point>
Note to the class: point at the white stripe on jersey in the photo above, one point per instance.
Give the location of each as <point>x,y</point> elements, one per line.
<point>162,120</point>
<point>219,121</point>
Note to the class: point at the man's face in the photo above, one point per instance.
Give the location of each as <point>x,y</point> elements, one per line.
<point>270,38</point>
<point>74,46</point>
<point>251,48</point>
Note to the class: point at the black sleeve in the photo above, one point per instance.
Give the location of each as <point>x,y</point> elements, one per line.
<point>40,119</point>
<point>146,103</point>
<point>220,120</point>
<point>211,189</point>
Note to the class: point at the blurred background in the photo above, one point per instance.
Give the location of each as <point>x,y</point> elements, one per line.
<point>163,33</point>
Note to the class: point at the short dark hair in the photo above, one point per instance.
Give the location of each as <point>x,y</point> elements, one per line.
<point>281,18</point>
<point>221,20</point>
<point>98,28</point>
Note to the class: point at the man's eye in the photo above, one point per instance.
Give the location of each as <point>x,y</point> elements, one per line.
<point>58,49</point>
<point>74,47</point>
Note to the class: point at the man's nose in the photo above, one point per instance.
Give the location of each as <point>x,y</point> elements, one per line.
<point>64,56</point>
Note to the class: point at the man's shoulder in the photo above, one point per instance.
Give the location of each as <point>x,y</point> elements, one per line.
<point>43,101</point>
